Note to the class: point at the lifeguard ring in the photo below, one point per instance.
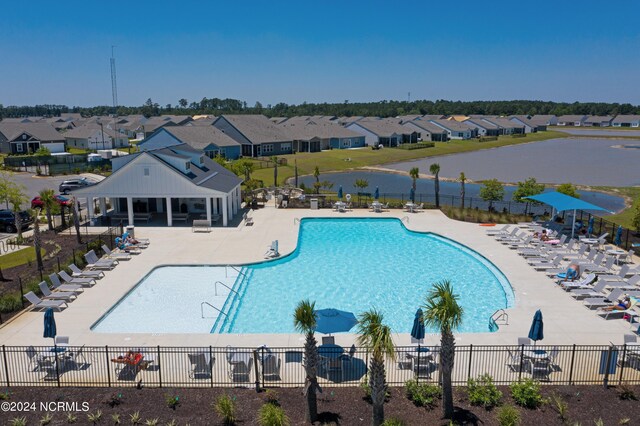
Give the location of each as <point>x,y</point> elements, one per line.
<point>348,197</point>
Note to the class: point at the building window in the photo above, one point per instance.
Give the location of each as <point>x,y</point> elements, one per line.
<point>188,165</point>
<point>24,137</point>
<point>267,148</point>
<point>19,147</point>
<point>146,171</point>
<point>285,146</point>
<point>346,143</point>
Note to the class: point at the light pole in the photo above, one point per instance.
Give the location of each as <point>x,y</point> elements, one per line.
<point>102,131</point>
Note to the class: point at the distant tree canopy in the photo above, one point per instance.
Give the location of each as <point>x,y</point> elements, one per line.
<point>216,106</point>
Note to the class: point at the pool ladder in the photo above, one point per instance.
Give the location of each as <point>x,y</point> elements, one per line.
<point>502,315</point>
<point>207,303</point>
<point>239,271</point>
<point>216,288</point>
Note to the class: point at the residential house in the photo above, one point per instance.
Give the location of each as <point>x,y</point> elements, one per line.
<point>313,135</point>
<point>27,138</point>
<point>94,136</point>
<point>345,121</point>
<point>427,131</point>
<point>571,120</point>
<point>385,132</point>
<point>208,139</point>
<point>404,118</point>
<point>164,186</point>
<point>626,121</point>
<point>482,128</point>
<point>546,120</point>
<point>527,123</point>
<point>454,129</point>
<point>598,121</point>
<point>458,117</point>
<point>257,135</point>
<point>505,126</point>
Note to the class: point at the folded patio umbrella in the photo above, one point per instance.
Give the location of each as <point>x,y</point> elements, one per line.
<point>417,332</point>
<point>536,331</point>
<point>49,324</point>
<point>376,194</point>
<point>618,239</point>
<point>334,321</point>
<point>340,192</point>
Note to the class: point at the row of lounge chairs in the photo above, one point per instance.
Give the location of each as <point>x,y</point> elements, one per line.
<point>63,292</point>
<point>602,279</point>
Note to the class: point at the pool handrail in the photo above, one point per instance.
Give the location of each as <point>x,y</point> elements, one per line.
<point>207,303</point>
<point>220,282</point>
<point>239,271</point>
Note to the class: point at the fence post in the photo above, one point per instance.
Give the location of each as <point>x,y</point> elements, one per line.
<point>55,353</point>
<point>6,366</point>
<point>106,353</point>
<point>622,363</point>
<point>470,353</point>
<point>21,292</point>
<point>605,381</point>
<point>521,361</point>
<point>418,369</point>
<point>159,369</point>
<point>209,366</point>
<point>573,357</point>
<point>255,366</point>
<point>626,240</point>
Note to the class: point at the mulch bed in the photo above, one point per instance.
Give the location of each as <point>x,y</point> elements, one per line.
<point>340,406</point>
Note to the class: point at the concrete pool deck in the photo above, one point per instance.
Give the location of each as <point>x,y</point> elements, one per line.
<point>566,320</point>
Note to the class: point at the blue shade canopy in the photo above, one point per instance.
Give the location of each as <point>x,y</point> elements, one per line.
<point>376,194</point>
<point>536,331</point>
<point>49,324</point>
<point>340,192</point>
<point>334,321</point>
<point>562,202</point>
<point>618,239</point>
<point>417,332</point>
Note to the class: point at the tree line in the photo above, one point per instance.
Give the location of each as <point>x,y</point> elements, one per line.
<point>217,106</point>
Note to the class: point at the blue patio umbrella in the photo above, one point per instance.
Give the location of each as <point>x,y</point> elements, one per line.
<point>376,194</point>
<point>618,239</point>
<point>590,229</point>
<point>340,192</point>
<point>334,321</point>
<point>536,330</point>
<point>49,324</point>
<point>412,195</point>
<point>417,332</point>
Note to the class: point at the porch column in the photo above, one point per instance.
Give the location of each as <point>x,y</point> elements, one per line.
<point>207,201</point>
<point>103,206</point>
<point>230,206</point>
<point>130,210</point>
<point>169,214</point>
<point>225,211</point>
<point>234,201</point>
<point>215,205</point>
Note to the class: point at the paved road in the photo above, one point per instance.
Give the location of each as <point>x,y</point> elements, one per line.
<point>35,184</point>
<point>584,161</point>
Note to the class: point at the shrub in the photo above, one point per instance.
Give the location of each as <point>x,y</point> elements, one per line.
<point>172,401</point>
<point>114,400</point>
<point>508,416</point>
<point>422,395</point>
<point>226,409</point>
<point>272,415</point>
<point>18,421</point>
<point>559,405</point>
<point>271,396</point>
<point>483,392</point>
<point>625,393</point>
<point>526,393</point>
<point>393,422</point>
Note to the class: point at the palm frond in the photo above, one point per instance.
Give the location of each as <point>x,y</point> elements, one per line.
<point>441,309</point>
<point>304,317</point>
<point>375,335</point>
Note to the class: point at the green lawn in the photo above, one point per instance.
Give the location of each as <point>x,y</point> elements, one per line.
<point>78,151</point>
<point>623,218</point>
<point>345,159</point>
<point>19,257</point>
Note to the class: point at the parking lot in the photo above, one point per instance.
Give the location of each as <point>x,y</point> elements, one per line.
<point>35,184</point>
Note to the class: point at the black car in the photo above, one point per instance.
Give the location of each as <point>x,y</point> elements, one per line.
<point>8,220</point>
<point>71,184</point>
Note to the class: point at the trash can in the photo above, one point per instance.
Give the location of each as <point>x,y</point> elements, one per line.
<point>131,231</point>
<point>314,203</point>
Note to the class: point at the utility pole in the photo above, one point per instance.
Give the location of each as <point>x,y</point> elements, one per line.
<point>102,131</point>
<point>114,95</point>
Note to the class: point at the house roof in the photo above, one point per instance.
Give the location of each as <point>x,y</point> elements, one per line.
<point>257,128</point>
<point>204,121</point>
<point>382,127</point>
<point>41,131</point>
<point>598,118</point>
<point>568,118</point>
<point>348,120</point>
<point>432,116</point>
<point>425,125</point>
<point>451,125</point>
<point>542,120</point>
<point>475,122</point>
<point>309,129</point>
<point>200,137</point>
<point>502,122</point>
<point>526,120</point>
<point>410,117</point>
<point>87,130</point>
<point>626,118</point>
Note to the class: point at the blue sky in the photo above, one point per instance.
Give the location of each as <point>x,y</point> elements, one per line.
<point>270,51</point>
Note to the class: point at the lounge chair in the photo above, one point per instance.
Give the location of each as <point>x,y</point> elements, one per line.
<point>620,276</point>
<point>70,280</point>
<point>500,231</point>
<point>47,294</point>
<point>271,366</point>
<point>120,255</point>
<point>631,284</point>
<point>621,313</point>
<point>43,304</point>
<point>201,365</point>
<point>584,283</point>
<point>602,301</point>
<point>272,250</point>
<point>240,371</point>
<point>524,341</point>
<point>606,268</point>
<point>589,292</point>
<point>95,263</point>
<point>79,273</point>
<point>57,285</point>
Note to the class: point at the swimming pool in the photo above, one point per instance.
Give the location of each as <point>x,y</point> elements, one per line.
<point>348,264</point>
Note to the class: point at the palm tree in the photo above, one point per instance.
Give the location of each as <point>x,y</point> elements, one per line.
<point>76,220</point>
<point>37,243</point>
<point>415,174</point>
<point>316,174</point>
<point>16,198</point>
<point>435,169</point>
<point>304,319</point>
<point>47,196</point>
<point>275,170</point>
<point>376,337</point>
<point>462,180</point>
<point>442,311</point>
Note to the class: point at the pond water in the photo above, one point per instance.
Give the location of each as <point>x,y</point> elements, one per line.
<point>583,161</point>
<point>599,132</point>
<point>398,186</point>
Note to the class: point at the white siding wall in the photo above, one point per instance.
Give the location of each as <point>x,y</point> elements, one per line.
<point>54,147</point>
<point>369,138</point>
<point>425,135</point>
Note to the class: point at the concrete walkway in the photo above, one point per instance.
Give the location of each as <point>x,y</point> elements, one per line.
<point>566,320</point>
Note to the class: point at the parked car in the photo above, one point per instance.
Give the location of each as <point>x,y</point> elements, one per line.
<point>37,203</point>
<point>71,184</point>
<point>8,220</point>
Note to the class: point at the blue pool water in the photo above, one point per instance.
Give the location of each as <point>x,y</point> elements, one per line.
<point>348,264</point>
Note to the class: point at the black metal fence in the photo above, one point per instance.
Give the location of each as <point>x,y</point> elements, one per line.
<point>284,367</point>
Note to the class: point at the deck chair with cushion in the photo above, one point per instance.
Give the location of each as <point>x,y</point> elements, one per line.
<point>503,230</point>
<point>47,294</point>
<point>79,273</point>
<point>587,291</point>
<point>603,301</point>
<point>621,313</point>
<point>126,255</point>
<point>43,304</point>
<point>94,263</point>
<point>584,283</point>
<point>201,365</point>
<point>70,280</point>
<point>620,276</point>
<point>240,371</point>
<point>271,366</point>
<point>57,285</point>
